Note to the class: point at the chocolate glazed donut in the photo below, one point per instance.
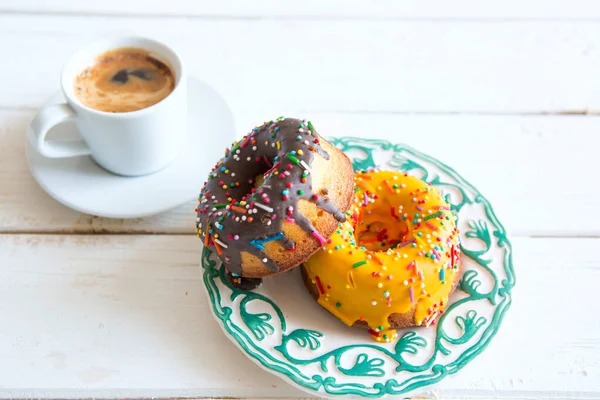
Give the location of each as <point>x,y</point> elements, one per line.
<point>273,200</point>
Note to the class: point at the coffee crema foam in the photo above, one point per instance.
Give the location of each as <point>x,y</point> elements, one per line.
<point>123,80</point>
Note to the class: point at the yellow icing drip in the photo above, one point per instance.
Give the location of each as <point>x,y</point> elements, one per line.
<point>401,234</point>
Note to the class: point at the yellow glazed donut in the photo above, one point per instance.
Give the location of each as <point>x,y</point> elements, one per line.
<point>394,262</point>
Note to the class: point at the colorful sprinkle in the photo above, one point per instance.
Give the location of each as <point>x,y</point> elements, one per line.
<point>319,285</point>
<point>220,243</point>
<point>431,319</point>
<point>388,187</point>
<point>358,264</point>
<point>305,166</point>
<point>291,157</point>
<point>266,208</point>
<point>431,226</point>
<point>400,245</point>
<point>258,243</point>
<point>239,209</point>
<point>267,161</point>
<point>435,215</point>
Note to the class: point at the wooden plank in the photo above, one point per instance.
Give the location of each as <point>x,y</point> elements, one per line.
<point>536,171</point>
<point>116,315</point>
<point>338,65</point>
<point>436,9</point>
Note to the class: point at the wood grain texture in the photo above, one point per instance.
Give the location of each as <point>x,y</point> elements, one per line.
<point>466,81</point>
<point>524,176</point>
<point>337,65</point>
<point>383,9</point>
<point>109,315</point>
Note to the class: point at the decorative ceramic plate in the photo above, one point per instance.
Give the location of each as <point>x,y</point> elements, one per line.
<point>282,329</point>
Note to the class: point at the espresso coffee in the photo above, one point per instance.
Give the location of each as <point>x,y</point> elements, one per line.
<point>123,80</point>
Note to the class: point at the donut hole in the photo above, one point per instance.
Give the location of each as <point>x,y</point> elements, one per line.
<point>246,179</point>
<point>381,234</point>
<point>259,180</point>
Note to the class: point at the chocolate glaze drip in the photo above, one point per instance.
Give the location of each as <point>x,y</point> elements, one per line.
<point>243,283</point>
<point>236,217</point>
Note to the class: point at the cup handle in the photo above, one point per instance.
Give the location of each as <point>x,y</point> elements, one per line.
<point>41,125</point>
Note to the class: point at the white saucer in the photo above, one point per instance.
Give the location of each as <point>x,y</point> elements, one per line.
<point>79,183</point>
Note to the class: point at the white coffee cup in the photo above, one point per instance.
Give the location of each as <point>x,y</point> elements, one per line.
<point>127,143</point>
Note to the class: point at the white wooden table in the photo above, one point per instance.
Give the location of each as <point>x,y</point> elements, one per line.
<point>92,307</point>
